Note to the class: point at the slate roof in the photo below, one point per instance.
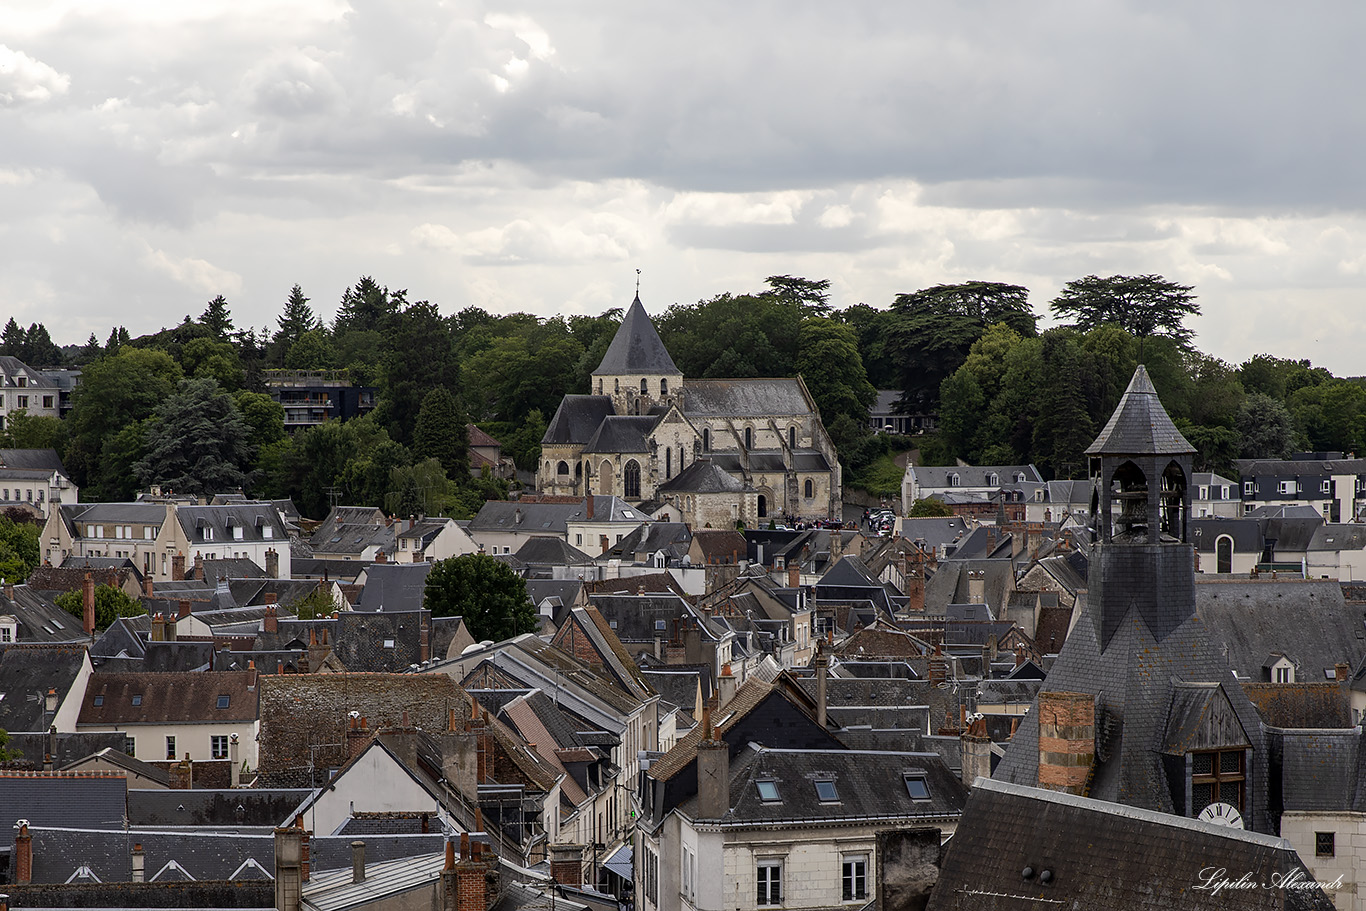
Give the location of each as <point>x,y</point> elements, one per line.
<point>205,807</point>
<point>935,532</point>
<point>44,460</point>
<point>577,418</point>
<point>32,746</point>
<point>169,698</point>
<point>1103,855</point>
<point>1338,537</point>
<point>530,517</point>
<point>869,785</point>
<point>394,586</point>
<point>1319,769</point>
<point>29,671</point>
<point>57,798</point>
<point>622,433</point>
<point>1140,425</point>
<point>41,620</point>
<point>1306,620</point>
<point>763,397</point>
<point>671,537</point>
<point>115,756</point>
<point>973,476</point>
<point>547,551</point>
<point>1246,533</point>
<point>703,476</point>
<point>636,348</point>
<point>255,519</point>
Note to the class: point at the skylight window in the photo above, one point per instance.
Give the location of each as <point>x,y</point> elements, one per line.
<point>917,788</point>
<point>222,702</point>
<point>99,700</point>
<point>768,791</point>
<point>825,790</point>
<point>137,699</point>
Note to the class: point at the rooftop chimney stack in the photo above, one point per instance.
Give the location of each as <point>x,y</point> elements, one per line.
<point>178,568</point>
<point>88,604</point>
<point>272,563</point>
<point>357,861</point>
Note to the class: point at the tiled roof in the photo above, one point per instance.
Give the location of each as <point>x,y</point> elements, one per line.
<point>174,698</point>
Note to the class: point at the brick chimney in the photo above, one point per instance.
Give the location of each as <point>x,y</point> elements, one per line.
<point>178,568</point>
<point>357,736</point>
<point>183,612</point>
<point>158,627</point>
<point>381,557</point>
<point>270,623</point>
<point>794,575</point>
<point>272,563</point>
<point>9,590</point>
<point>1342,672</point>
<point>88,604</point>
<point>939,666</point>
<point>588,505</point>
<point>566,864</point>
<point>147,584</point>
<point>1067,740</point>
<point>182,774</point>
<point>23,856</point>
<point>199,567</point>
<point>168,625</point>
<point>424,640</point>
<point>822,663</point>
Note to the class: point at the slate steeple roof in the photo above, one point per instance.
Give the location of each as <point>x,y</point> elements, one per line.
<point>1140,425</point>
<point>636,348</point>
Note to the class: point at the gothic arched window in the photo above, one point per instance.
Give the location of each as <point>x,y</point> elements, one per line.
<point>631,480</point>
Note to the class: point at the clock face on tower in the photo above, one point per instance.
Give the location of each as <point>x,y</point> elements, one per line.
<point>1222,814</point>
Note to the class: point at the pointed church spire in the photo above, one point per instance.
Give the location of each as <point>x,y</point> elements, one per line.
<point>636,349</point>
<point>1140,425</point>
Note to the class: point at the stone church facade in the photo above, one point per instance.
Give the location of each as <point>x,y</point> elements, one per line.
<point>719,450</point>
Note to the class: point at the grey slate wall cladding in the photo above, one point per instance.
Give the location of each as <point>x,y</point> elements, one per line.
<point>1155,580</point>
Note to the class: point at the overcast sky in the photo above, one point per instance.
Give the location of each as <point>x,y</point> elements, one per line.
<point>531,156</point>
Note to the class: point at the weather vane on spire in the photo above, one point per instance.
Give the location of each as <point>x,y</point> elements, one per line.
<point>637,283</point>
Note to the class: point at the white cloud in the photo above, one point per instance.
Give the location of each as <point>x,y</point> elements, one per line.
<point>24,80</point>
<point>197,274</point>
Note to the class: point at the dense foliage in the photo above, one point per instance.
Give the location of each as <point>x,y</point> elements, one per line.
<point>486,592</point>
<point>187,407</point>
<point>110,604</point>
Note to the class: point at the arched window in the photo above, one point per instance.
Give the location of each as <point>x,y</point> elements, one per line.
<point>993,480</point>
<point>663,387</point>
<point>631,480</point>
<point>706,439</point>
<point>644,387</point>
<point>1223,550</point>
<point>616,385</point>
<point>1019,477</point>
<point>562,469</point>
<point>953,479</point>
<point>749,437</point>
<point>668,462</point>
<point>809,489</point>
<point>578,469</point>
<point>763,506</point>
<point>599,385</point>
<point>792,438</point>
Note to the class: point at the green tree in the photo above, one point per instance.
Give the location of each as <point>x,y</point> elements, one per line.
<point>7,754</point>
<point>874,328</point>
<point>116,392</point>
<point>486,592</point>
<point>198,442</point>
<point>12,339</point>
<point>733,335</point>
<point>441,434</point>
<point>217,319</point>
<point>812,295</point>
<point>420,356</point>
<point>18,549</point>
<point>1142,305</point>
<point>39,349</point>
<point>295,322</point>
<point>365,306</point>
<point>264,416</point>
<point>934,330</point>
<point>110,604</point>
<point>828,361</point>
<point>317,603</point>
<point>1064,428</point>
<point>1265,427</point>
<point>209,357</point>
<point>313,350</point>
<point>929,507</point>
<point>27,431</point>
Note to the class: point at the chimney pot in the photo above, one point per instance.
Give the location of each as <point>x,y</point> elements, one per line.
<point>357,861</point>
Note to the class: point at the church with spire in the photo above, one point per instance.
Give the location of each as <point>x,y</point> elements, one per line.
<point>719,451</point>
<point>1139,707</point>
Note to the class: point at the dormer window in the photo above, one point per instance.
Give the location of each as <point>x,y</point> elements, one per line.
<point>993,480</point>
<point>954,479</point>
<point>826,792</point>
<point>768,791</point>
<point>1019,477</point>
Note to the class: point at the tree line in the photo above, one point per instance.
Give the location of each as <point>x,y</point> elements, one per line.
<point>187,408</point>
